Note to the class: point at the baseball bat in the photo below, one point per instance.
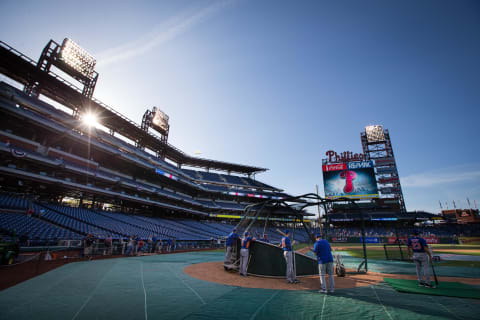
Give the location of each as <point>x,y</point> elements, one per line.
<point>433,269</point>
<point>434,274</point>
<point>283,234</point>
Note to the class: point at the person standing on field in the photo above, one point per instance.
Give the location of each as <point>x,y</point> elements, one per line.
<point>325,263</point>
<point>230,243</point>
<point>288,254</point>
<point>244,251</point>
<point>421,256</point>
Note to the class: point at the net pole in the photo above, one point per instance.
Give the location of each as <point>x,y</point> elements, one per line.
<point>293,250</point>
<point>326,221</point>
<point>363,237</point>
<point>318,209</point>
<point>398,241</point>
<point>265,227</point>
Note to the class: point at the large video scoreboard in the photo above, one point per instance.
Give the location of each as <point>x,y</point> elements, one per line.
<point>355,179</point>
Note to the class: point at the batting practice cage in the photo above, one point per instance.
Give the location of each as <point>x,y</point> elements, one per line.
<point>266,259</point>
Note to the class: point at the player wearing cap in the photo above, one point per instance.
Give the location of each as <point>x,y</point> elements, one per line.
<point>421,254</point>
<point>325,263</point>
<point>265,238</point>
<point>231,241</point>
<point>246,242</point>
<point>287,253</point>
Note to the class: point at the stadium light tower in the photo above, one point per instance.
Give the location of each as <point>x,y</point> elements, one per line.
<point>377,146</point>
<point>77,58</point>
<point>71,59</point>
<point>158,120</point>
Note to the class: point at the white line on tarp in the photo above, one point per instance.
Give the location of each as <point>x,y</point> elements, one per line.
<point>453,314</point>
<point>323,306</point>
<point>144,291</point>
<point>384,308</point>
<point>186,284</point>
<point>263,305</point>
<point>91,294</point>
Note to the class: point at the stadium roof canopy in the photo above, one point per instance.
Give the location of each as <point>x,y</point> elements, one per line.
<point>23,70</point>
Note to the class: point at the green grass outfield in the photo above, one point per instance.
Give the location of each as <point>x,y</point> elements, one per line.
<point>155,287</point>
<point>376,251</point>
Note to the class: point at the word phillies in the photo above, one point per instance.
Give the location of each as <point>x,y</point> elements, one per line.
<point>344,156</point>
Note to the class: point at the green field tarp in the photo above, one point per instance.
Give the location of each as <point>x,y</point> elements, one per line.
<point>449,289</point>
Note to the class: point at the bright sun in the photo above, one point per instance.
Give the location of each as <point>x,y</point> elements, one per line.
<point>90,119</point>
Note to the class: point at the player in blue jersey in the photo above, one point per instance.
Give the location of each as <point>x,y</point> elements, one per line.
<point>246,243</point>
<point>325,263</point>
<point>265,238</point>
<point>421,256</point>
<point>230,243</point>
<point>288,254</point>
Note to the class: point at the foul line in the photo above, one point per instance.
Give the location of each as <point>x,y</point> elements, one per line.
<point>263,305</point>
<point>186,284</point>
<point>91,294</point>
<point>373,287</point>
<point>144,291</point>
<point>323,306</point>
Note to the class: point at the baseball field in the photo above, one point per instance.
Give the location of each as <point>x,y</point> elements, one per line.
<point>193,285</point>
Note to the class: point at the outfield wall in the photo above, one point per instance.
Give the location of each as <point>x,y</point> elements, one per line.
<point>469,240</point>
<point>390,240</point>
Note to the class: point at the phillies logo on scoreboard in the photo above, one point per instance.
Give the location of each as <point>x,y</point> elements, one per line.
<point>345,156</point>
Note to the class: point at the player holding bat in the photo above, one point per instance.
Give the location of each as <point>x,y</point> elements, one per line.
<point>421,255</point>
<point>288,254</point>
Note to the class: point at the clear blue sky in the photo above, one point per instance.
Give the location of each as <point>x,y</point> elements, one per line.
<point>278,83</point>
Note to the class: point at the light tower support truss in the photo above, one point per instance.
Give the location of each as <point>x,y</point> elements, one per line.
<point>58,55</point>
<point>377,146</point>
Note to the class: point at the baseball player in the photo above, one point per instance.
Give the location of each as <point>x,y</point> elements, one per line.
<point>246,242</point>
<point>231,241</point>
<point>265,238</point>
<point>325,263</point>
<point>421,256</point>
<point>287,253</point>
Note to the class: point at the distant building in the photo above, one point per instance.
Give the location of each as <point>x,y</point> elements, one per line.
<point>461,216</point>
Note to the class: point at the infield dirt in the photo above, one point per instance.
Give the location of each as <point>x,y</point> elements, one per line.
<point>214,272</point>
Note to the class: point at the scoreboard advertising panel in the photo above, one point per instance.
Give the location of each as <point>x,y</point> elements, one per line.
<point>354,179</point>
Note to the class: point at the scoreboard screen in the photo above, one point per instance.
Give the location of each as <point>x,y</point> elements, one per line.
<point>354,180</point>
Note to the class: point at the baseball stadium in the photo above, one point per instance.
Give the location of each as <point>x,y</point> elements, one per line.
<point>102,217</point>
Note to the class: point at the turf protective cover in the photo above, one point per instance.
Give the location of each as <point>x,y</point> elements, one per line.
<point>155,287</point>
<point>449,289</point>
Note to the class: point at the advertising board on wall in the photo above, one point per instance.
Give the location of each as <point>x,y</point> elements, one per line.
<point>469,240</point>
<point>404,240</point>
<point>339,239</point>
<point>350,180</point>
<point>370,239</point>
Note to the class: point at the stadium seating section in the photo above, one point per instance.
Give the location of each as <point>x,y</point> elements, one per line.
<point>62,222</point>
<point>69,223</point>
